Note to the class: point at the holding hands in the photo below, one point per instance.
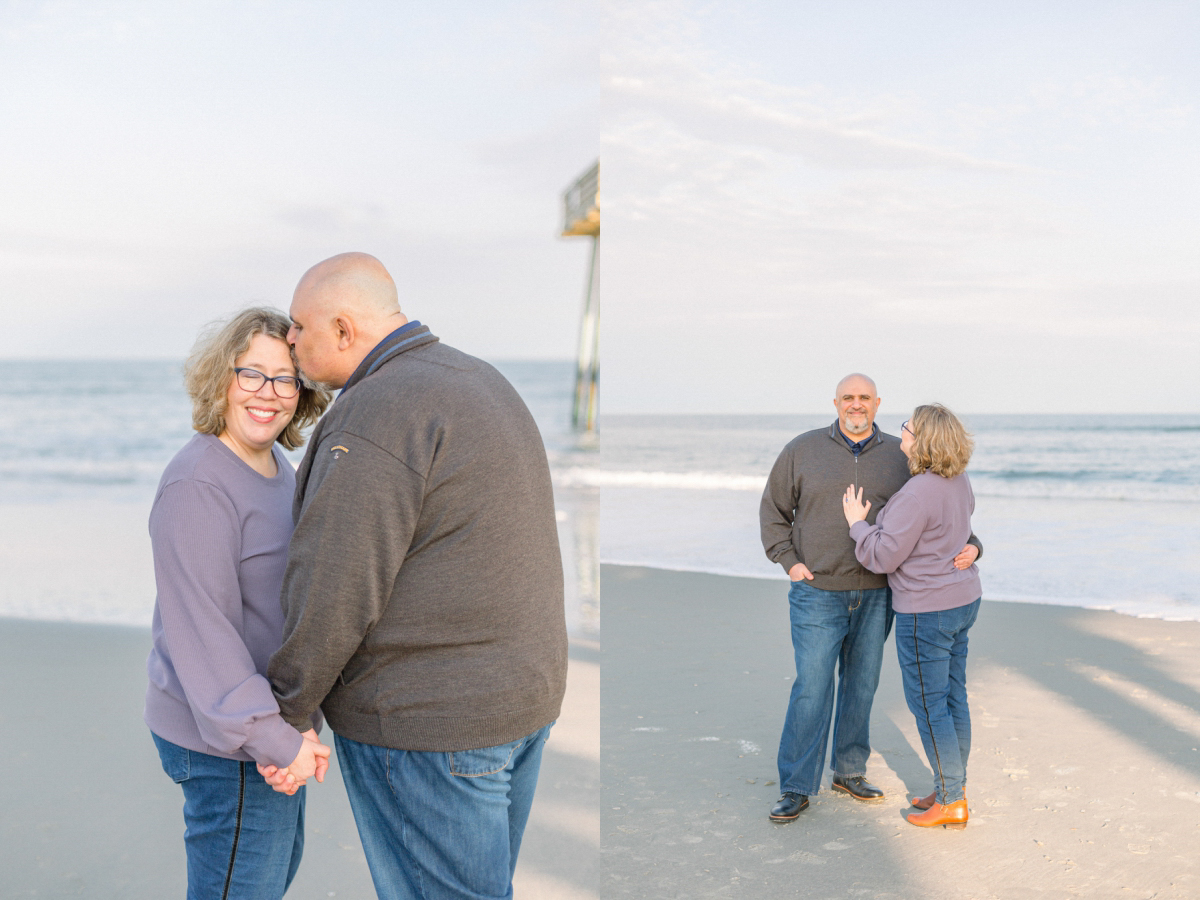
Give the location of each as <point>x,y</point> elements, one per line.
<point>854,506</point>
<point>311,762</point>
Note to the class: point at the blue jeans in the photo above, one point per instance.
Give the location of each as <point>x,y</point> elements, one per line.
<point>932,649</point>
<point>442,825</point>
<point>832,629</point>
<point>243,839</point>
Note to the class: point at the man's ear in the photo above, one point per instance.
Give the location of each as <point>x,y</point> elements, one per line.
<point>345,332</point>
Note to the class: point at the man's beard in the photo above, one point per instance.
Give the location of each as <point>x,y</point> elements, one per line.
<point>856,429</point>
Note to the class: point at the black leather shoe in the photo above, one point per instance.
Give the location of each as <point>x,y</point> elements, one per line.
<point>857,787</point>
<point>789,806</point>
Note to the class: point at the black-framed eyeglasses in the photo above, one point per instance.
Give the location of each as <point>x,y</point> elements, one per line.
<point>251,380</point>
<point>905,427</point>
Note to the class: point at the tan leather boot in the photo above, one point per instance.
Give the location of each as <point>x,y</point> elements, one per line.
<point>926,802</point>
<point>952,815</point>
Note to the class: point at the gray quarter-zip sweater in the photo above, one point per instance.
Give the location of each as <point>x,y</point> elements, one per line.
<point>801,516</point>
<point>801,511</point>
<point>424,589</point>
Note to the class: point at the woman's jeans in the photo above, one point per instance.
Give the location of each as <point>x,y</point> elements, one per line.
<point>831,630</point>
<point>932,649</point>
<point>243,838</point>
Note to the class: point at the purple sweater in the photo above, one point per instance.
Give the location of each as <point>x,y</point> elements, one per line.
<point>915,539</point>
<point>220,535</point>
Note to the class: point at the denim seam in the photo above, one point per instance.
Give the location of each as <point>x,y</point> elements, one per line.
<point>416,874</point>
<point>237,831</point>
<point>928,723</point>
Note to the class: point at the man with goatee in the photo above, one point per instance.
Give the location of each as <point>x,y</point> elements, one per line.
<point>841,613</point>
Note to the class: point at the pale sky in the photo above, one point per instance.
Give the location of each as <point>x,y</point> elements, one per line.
<point>991,205</point>
<point>165,164</point>
<point>995,207</point>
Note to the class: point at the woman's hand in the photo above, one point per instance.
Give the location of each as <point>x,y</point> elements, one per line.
<point>854,506</point>
<point>312,761</point>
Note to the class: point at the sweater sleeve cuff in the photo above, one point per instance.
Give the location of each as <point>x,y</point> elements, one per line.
<point>788,559</point>
<point>860,529</point>
<point>274,742</point>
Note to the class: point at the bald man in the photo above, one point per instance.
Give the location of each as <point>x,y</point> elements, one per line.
<point>424,589</point>
<point>840,612</point>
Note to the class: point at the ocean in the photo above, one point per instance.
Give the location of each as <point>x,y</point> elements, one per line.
<point>1099,511</point>
<point>86,442</point>
<point>1082,510</point>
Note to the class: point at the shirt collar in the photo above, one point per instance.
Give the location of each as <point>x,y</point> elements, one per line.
<point>857,447</point>
<point>385,349</point>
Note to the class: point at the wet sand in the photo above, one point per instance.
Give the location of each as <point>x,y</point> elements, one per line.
<point>1084,777</point>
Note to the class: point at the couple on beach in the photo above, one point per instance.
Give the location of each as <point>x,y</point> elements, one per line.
<point>406,582</point>
<point>907,554</point>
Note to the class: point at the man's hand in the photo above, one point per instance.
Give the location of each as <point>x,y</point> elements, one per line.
<point>278,779</point>
<point>966,557</point>
<point>799,572</point>
<point>320,751</point>
<point>854,506</point>
<point>312,761</point>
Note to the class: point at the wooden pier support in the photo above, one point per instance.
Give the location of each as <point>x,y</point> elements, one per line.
<point>581,218</point>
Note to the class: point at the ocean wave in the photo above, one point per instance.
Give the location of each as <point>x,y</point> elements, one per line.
<point>96,472</point>
<point>1107,425</point>
<point>1047,486</point>
<point>688,481</point>
<point>1148,475</point>
<point>1066,488</point>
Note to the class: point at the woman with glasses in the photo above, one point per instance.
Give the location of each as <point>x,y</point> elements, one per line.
<point>219,527</point>
<point>914,540</point>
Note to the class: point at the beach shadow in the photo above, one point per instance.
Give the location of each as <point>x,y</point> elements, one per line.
<point>905,761</point>
<point>697,671</point>
<point>1082,678</point>
<point>696,666</point>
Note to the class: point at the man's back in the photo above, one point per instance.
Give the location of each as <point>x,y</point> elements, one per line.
<point>425,563</point>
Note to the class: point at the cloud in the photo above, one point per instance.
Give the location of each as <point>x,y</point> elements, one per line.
<point>750,113</point>
<point>959,213</point>
<point>334,219</point>
<point>1108,100</point>
<point>660,69</point>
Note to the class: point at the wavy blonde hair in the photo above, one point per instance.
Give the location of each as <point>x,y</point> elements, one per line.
<point>940,442</point>
<point>208,373</point>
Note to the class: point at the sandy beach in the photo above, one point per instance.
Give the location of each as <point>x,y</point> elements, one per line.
<point>1084,778</point>
<point>88,812</point>
<point>1084,775</point>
